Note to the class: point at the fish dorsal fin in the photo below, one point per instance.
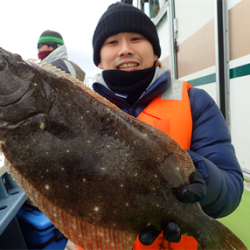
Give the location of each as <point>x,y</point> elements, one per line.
<point>73,80</point>
<point>56,70</point>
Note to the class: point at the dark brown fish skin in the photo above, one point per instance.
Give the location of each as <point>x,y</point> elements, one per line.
<point>91,160</point>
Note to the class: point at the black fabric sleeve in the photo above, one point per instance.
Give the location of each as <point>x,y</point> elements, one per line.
<point>215,156</point>
<point>59,63</point>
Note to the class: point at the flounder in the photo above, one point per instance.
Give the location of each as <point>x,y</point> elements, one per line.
<point>100,175</point>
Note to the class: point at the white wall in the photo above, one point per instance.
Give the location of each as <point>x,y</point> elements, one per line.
<point>163,33</point>
<point>240,114</point>
<point>191,16</point>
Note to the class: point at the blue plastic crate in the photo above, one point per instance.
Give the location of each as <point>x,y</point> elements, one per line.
<point>38,231</point>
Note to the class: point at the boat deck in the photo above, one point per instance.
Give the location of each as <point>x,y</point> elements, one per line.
<point>239,221</point>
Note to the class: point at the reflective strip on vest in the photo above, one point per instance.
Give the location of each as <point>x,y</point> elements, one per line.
<point>171,113</point>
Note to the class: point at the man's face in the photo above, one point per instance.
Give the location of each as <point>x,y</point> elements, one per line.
<point>127,51</point>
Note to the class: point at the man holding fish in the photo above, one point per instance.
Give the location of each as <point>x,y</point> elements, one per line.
<point>126,47</point>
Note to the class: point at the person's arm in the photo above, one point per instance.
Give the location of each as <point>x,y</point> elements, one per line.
<point>214,156</point>
<point>59,63</point>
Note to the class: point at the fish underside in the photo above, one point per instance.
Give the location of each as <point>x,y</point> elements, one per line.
<point>99,175</point>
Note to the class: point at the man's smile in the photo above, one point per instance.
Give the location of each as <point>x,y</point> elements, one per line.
<point>127,65</point>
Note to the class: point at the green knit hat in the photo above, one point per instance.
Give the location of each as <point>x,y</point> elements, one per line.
<point>51,37</point>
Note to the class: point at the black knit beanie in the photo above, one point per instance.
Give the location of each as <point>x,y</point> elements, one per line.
<point>52,38</point>
<point>121,17</point>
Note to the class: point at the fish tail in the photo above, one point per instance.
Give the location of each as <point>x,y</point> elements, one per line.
<point>219,237</point>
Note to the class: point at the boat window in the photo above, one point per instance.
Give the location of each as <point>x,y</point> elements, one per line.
<point>152,7</point>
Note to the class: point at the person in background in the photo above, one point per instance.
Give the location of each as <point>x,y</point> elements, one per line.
<point>52,50</point>
<point>126,46</point>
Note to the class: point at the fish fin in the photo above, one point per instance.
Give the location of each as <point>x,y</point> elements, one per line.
<point>58,71</point>
<point>83,234</point>
<point>219,237</point>
<point>78,83</point>
<point>7,164</point>
<point>181,159</point>
<point>34,60</point>
<point>187,165</point>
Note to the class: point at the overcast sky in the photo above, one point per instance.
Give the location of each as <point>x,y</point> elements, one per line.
<point>23,21</point>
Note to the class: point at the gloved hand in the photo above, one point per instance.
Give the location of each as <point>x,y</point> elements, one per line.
<point>197,189</point>
<point>192,193</point>
<point>172,233</point>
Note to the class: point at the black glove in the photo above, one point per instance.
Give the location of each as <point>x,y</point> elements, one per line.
<point>194,192</point>
<point>172,233</point>
<point>197,189</point>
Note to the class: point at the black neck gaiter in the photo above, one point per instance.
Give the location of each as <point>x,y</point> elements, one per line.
<point>129,84</point>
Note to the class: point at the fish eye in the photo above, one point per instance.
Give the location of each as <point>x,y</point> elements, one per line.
<point>17,57</point>
<point>3,65</point>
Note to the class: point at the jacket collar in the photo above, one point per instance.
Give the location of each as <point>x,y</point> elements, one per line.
<point>159,84</point>
<point>158,72</point>
<point>58,53</point>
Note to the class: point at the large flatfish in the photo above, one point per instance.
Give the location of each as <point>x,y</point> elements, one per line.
<point>100,175</point>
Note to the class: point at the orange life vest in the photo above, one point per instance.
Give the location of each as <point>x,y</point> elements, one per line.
<point>171,113</point>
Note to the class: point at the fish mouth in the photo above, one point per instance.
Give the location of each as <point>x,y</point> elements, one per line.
<point>12,125</point>
<point>43,123</point>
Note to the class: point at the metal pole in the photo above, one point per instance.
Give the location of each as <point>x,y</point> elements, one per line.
<point>222,58</point>
<point>172,40</point>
